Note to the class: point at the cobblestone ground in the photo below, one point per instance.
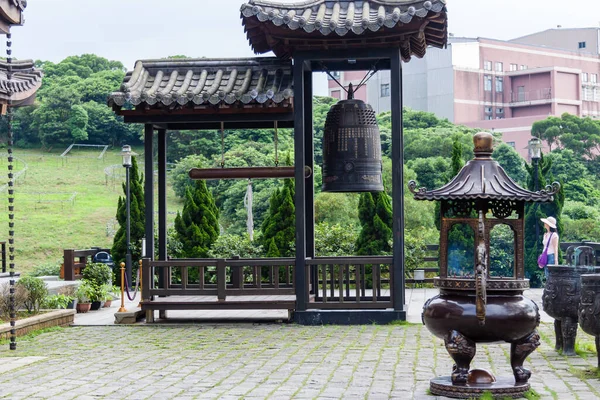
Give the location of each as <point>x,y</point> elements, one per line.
<point>276,361</point>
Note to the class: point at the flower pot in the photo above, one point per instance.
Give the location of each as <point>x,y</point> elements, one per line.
<point>83,307</point>
<point>107,303</point>
<point>96,305</point>
<point>72,304</point>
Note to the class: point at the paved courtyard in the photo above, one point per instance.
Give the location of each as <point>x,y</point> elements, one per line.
<point>260,361</point>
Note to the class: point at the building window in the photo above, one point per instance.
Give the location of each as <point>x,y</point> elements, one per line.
<point>511,144</point>
<point>499,84</point>
<point>488,118</point>
<point>385,90</point>
<point>487,65</point>
<point>500,111</point>
<point>584,77</point>
<point>582,45</point>
<point>334,74</point>
<point>523,67</point>
<point>335,94</point>
<point>499,67</point>
<point>514,67</point>
<point>488,110</point>
<point>521,93</point>
<point>594,78</point>
<point>596,94</point>
<point>588,94</point>
<point>487,83</point>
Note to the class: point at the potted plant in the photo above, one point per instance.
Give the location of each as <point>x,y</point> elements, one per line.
<point>109,296</point>
<point>70,292</point>
<point>98,295</point>
<point>83,293</point>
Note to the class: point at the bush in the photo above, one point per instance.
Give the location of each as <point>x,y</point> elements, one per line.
<point>97,273</point>
<point>36,292</point>
<point>20,298</point>
<point>57,301</point>
<point>84,292</point>
<point>47,269</point>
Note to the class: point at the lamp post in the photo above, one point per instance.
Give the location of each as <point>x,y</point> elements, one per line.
<point>535,153</point>
<point>126,153</point>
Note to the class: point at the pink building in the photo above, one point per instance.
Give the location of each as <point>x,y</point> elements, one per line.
<point>501,85</point>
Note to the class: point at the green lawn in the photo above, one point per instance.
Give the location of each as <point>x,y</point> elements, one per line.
<point>64,202</point>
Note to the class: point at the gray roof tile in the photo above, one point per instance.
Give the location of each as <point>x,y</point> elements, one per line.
<point>216,82</point>
<point>26,80</point>
<point>339,18</point>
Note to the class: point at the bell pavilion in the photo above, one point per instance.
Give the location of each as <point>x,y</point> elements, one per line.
<point>305,37</point>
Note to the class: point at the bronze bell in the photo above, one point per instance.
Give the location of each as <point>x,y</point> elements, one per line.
<point>351,148</point>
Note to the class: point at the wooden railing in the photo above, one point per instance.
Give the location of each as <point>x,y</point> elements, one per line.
<point>430,266</point>
<point>218,277</point>
<point>349,282</point>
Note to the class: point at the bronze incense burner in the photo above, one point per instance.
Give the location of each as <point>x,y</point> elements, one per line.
<point>481,292</point>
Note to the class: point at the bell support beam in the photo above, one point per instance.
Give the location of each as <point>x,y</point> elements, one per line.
<point>149,190</point>
<point>397,181</point>
<point>300,184</point>
<point>162,194</point>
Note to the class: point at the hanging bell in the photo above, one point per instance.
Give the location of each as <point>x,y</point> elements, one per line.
<point>351,148</point>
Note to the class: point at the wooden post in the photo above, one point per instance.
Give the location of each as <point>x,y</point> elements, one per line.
<point>300,185</point>
<point>221,280</point>
<point>397,290</point>
<point>149,189</point>
<point>69,267</point>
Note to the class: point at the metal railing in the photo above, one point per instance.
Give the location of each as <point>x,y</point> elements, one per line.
<point>534,95</point>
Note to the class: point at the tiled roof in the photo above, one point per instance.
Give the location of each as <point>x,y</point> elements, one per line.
<point>11,13</point>
<point>25,81</point>
<point>210,82</point>
<point>483,178</point>
<point>265,21</point>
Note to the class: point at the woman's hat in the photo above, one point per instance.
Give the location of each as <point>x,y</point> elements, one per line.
<point>550,221</point>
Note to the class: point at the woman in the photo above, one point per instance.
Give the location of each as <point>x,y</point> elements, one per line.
<point>552,236</point>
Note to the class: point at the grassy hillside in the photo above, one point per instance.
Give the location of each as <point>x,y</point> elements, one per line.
<point>64,202</point>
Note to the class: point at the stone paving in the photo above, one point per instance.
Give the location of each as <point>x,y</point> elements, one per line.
<point>265,361</point>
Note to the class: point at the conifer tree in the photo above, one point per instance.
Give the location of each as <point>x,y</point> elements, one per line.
<point>279,227</point>
<point>375,215</point>
<point>137,218</point>
<point>197,227</point>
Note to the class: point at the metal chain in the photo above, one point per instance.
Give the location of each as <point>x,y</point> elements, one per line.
<point>222,144</point>
<point>276,142</point>
<point>11,195</point>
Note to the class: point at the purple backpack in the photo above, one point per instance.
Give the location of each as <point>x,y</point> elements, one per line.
<point>543,258</point>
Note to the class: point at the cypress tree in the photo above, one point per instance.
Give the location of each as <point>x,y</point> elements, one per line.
<point>533,213</point>
<point>375,215</point>
<point>197,227</point>
<point>279,226</point>
<point>137,218</point>
<point>456,165</point>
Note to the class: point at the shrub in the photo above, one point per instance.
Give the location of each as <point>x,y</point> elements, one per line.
<point>36,292</point>
<point>57,301</point>
<point>97,273</point>
<point>46,269</point>
<point>20,298</point>
<point>85,291</point>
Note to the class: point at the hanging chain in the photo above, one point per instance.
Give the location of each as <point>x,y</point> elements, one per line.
<point>276,142</point>
<point>11,195</point>
<point>222,144</point>
<point>364,80</point>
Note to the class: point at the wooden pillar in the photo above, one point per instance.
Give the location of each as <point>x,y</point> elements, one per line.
<point>398,293</point>
<point>162,194</point>
<point>300,185</point>
<point>149,189</point>
<point>309,156</point>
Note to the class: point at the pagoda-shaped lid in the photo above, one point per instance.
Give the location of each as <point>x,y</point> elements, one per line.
<point>483,178</point>
<point>11,13</point>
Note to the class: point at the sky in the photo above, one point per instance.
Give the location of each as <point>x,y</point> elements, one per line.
<point>129,30</point>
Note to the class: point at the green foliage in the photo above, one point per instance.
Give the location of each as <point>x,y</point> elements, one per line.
<point>502,251</point>
<point>85,291</point>
<point>375,215</point>
<point>46,269</point>
<point>580,230</point>
<point>415,248</point>
<point>36,292</point>
<point>533,213</point>
<point>20,297</point>
<point>511,162</point>
<point>431,172</point>
<point>180,178</point>
<point>228,246</point>
<point>97,273</point>
<point>336,208</point>
<point>137,218</point>
<point>581,135</point>
<point>279,226</point>
<point>57,301</point>
<point>577,210</point>
<point>197,226</point>
<point>334,240</point>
